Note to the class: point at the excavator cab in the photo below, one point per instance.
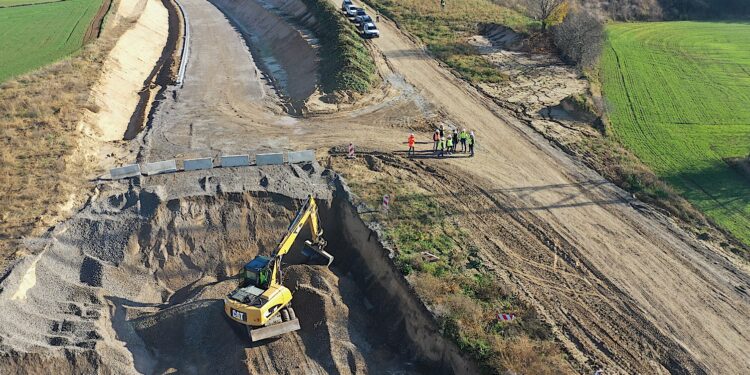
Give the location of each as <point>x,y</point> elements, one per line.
<point>256,273</point>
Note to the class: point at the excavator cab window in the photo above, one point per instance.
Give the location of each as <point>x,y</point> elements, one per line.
<point>256,273</point>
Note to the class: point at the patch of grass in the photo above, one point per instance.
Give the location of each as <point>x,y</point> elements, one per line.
<point>677,96</point>
<point>34,36</point>
<point>346,63</point>
<point>465,295</point>
<point>445,31</point>
<point>11,3</point>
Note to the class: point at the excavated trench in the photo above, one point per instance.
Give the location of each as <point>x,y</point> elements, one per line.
<point>134,284</point>
<point>277,32</point>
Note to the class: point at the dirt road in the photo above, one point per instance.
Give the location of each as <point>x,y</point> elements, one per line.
<point>223,95</point>
<point>648,277</point>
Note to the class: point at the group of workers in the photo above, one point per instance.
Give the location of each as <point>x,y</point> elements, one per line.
<point>447,143</point>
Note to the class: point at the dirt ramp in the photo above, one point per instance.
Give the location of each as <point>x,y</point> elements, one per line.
<point>324,319</point>
<point>340,330</point>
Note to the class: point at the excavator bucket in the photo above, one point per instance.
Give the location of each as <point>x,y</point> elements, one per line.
<point>316,254</point>
<point>257,334</point>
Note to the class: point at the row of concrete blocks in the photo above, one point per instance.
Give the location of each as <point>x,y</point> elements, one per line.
<point>169,166</point>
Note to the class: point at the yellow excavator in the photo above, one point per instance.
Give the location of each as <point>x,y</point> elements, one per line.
<point>260,301</point>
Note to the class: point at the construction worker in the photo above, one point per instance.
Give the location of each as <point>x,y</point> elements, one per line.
<point>441,147</point>
<point>449,143</point>
<point>411,142</point>
<point>435,139</point>
<point>471,143</point>
<point>442,131</point>
<point>455,139</point>
<point>462,137</point>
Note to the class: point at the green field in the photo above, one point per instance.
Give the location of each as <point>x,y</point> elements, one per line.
<point>10,3</point>
<point>678,96</point>
<point>36,35</point>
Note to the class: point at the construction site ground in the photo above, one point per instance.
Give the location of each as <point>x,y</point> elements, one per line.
<point>133,282</point>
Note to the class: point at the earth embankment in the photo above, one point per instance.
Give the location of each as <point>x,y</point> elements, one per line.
<point>128,66</point>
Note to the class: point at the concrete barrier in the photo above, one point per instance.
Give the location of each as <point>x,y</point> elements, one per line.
<point>301,156</point>
<point>185,45</point>
<point>235,161</point>
<point>196,164</point>
<point>269,159</point>
<point>166,166</point>
<point>126,171</point>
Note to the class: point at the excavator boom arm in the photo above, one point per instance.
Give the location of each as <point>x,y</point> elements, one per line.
<point>308,213</point>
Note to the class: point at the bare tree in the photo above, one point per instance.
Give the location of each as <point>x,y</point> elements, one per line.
<point>542,9</point>
<point>579,38</point>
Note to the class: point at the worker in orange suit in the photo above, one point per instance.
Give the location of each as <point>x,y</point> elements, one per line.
<point>411,142</point>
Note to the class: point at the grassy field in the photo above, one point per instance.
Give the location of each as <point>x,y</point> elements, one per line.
<point>678,96</point>
<point>445,31</point>
<point>36,35</point>
<point>12,3</point>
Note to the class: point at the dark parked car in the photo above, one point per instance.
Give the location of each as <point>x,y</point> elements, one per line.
<point>361,20</point>
<point>359,12</point>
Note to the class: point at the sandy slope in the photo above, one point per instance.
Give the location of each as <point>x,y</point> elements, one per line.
<point>127,68</point>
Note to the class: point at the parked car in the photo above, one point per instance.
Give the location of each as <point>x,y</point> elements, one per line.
<point>351,10</point>
<point>361,20</point>
<point>369,30</point>
<point>345,3</point>
<point>358,13</point>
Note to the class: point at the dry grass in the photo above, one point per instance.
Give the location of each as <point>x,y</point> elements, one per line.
<point>39,116</point>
